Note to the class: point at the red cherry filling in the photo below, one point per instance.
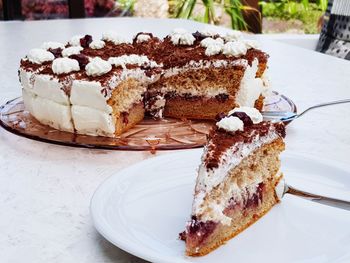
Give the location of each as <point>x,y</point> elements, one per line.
<point>198,230</point>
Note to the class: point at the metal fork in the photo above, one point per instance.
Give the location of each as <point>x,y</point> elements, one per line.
<point>282,188</point>
<point>286,116</point>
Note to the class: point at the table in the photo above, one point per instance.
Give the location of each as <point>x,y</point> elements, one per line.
<point>45,189</point>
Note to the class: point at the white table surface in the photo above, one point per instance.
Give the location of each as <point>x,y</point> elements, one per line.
<point>45,189</point>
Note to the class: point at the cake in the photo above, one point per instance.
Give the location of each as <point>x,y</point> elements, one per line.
<point>103,87</point>
<point>236,180</point>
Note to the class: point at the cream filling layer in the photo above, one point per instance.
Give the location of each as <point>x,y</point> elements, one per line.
<point>203,64</point>
<point>250,87</point>
<point>209,179</point>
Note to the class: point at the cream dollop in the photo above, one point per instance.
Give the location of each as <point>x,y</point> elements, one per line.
<point>208,41</point>
<point>39,56</point>
<point>253,113</point>
<point>208,32</point>
<point>231,124</point>
<point>280,188</point>
<point>235,49</point>
<point>180,36</point>
<point>97,44</point>
<point>133,60</point>
<point>251,44</point>
<point>51,45</point>
<point>213,46</point>
<point>75,40</point>
<point>97,67</point>
<point>233,35</point>
<point>142,38</point>
<point>115,38</point>
<point>64,65</point>
<point>71,51</point>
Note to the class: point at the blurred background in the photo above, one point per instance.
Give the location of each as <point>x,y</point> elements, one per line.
<point>274,16</point>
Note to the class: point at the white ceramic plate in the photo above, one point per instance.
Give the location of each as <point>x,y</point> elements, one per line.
<point>144,207</point>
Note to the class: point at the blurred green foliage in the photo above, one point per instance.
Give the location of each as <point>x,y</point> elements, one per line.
<point>234,8</point>
<point>304,10</point>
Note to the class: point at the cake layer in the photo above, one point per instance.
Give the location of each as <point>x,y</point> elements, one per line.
<point>203,237</point>
<point>198,107</point>
<point>130,118</point>
<point>129,92</point>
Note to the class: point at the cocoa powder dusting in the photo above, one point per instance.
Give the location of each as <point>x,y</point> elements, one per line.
<point>161,51</point>
<point>220,140</point>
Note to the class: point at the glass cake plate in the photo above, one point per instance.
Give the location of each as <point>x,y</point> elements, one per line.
<point>150,134</point>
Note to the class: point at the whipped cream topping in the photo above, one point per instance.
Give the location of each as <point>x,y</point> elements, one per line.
<point>51,45</point>
<point>230,124</point>
<point>180,36</point>
<point>142,38</point>
<point>206,42</point>
<point>235,49</point>
<point>64,65</point>
<point>75,40</point>
<point>132,60</point>
<point>97,67</point>
<point>253,113</point>
<point>75,50</point>
<point>208,32</point>
<point>233,35</point>
<point>251,44</point>
<point>39,56</point>
<point>213,46</point>
<point>97,44</point>
<point>115,38</point>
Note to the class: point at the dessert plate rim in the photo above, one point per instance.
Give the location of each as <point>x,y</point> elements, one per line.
<point>125,240</point>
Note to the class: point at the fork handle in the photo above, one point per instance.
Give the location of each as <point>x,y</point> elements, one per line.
<point>323,105</point>
<point>318,198</point>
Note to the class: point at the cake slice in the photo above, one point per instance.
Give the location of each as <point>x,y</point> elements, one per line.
<point>236,179</point>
